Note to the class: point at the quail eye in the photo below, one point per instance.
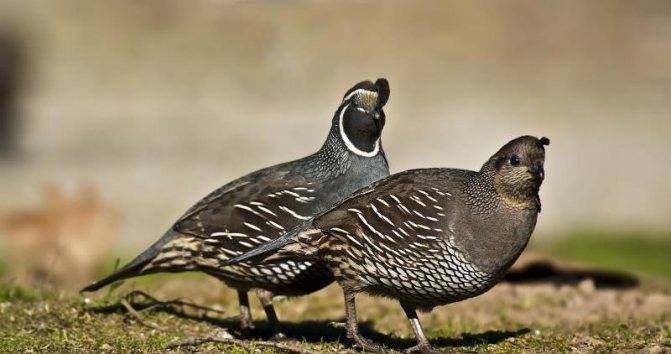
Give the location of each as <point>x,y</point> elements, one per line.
<point>515,160</point>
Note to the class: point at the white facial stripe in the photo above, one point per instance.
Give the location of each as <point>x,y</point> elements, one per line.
<point>349,144</point>
<point>355,92</point>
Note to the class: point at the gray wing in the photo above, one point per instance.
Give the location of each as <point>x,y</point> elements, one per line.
<point>242,216</point>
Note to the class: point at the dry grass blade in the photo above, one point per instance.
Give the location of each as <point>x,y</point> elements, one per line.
<point>137,316</point>
<point>175,303</point>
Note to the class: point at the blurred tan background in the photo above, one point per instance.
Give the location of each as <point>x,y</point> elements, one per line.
<point>156,103</point>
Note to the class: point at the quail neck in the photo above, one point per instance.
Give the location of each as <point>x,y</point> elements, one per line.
<point>494,230</point>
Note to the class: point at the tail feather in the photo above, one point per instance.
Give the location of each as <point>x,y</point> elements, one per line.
<point>269,248</point>
<point>135,267</point>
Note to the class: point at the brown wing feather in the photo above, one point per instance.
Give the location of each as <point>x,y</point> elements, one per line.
<point>399,239</point>
<point>247,215</point>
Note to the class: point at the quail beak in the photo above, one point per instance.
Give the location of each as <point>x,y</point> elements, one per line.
<point>538,172</point>
<point>376,115</point>
<point>377,119</point>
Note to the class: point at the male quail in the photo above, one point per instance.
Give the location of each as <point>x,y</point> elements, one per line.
<point>262,205</point>
<point>426,237</point>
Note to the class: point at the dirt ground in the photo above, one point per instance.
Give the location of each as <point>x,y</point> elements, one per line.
<point>552,314</point>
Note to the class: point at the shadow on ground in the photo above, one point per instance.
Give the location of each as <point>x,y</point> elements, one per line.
<point>308,331</point>
<point>542,271</point>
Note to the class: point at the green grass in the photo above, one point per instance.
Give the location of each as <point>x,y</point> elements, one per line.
<point>48,323</point>
<point>642,253</point>
<point>12,293</point>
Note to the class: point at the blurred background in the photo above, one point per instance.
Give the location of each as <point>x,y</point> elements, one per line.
<point>115,117</point>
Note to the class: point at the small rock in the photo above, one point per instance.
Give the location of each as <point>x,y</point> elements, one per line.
<point>223,333</point>
<point>218,307</point>
<point>587,286</point>
<point>105,347</point>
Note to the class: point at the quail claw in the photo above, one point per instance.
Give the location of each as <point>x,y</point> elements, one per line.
<point>367,345</point>
<point>246,323</point>
<point>424,348</point>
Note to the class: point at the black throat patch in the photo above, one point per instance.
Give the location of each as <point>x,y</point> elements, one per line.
<point>361,129</point>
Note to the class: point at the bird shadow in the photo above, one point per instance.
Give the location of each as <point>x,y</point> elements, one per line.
<point>465,340</point>
<point>311,331</point>
<point>325,331</point>
<point>542,271</point>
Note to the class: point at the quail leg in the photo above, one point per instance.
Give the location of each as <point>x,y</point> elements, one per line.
<point>423,345</point>
<point>245,313</point>
<point>352,325</point>
<point>266,298</point>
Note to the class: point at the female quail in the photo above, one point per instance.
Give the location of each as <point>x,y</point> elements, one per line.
<point>262,205</point>
<point>426,237</point>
